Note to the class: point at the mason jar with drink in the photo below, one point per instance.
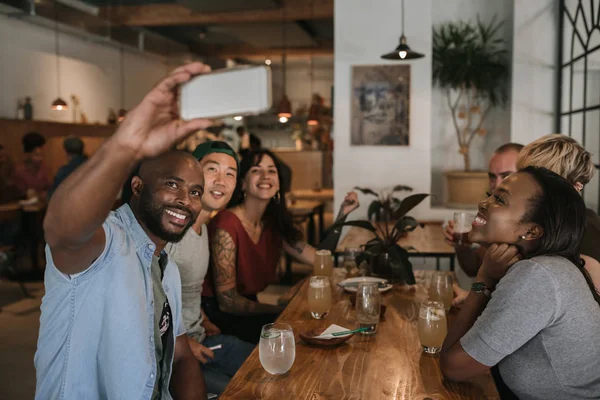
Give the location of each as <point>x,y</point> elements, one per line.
<point>462,227</point>
<point>323,265</point>
<point>319,296</point>
<point>432,326</point>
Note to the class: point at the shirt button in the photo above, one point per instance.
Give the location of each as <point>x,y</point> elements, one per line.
<point>149,246</point>
<point>151,339</point>
<point>152,376</point>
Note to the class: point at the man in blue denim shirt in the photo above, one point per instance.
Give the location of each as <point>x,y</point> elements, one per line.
<point>102,335</point>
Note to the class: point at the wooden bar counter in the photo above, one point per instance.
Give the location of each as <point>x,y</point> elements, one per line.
<point>388,365</point>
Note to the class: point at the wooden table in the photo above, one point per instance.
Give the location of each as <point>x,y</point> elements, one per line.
<point>32,216</point>
<point>388,365</point>
<point>427,241</point>
<point>311,194</point>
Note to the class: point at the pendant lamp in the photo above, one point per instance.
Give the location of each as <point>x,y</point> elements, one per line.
<point>402,52</point>
<point>58,104</point>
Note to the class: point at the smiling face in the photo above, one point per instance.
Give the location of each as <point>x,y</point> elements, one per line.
<point>220,178</point>
<point>500,217</point>
<point>169,196</point>
<point>262,180</point>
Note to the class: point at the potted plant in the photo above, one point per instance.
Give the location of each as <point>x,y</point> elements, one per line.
<point>470,64</point>
<point>387,258</point>
<point>385,205</point>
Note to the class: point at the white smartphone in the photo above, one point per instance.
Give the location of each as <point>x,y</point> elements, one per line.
<point>226,92</point>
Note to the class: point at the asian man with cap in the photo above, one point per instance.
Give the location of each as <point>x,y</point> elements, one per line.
<point>219,163</point>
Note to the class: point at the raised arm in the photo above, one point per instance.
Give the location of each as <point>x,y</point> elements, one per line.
<point>73,223</point>
<point>305,253</point>
<point>224,263</point>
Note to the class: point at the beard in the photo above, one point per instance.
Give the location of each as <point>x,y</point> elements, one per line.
<point>151,214</point>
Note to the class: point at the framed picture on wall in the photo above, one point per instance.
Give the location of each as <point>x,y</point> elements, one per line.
<point>380,105</point>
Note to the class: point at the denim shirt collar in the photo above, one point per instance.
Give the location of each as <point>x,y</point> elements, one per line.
<point>140,238</point>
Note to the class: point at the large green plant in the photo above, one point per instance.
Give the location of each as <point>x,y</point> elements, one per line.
<point>387,236</point>
<point>470,62</point>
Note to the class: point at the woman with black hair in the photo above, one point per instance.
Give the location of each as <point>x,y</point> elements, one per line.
<point>247,241</point>
<point>533,311</point>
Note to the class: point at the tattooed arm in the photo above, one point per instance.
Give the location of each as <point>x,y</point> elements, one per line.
<point>224,267</point>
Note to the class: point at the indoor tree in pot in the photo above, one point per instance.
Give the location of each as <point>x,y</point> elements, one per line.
<point>387,258</point>
<point>470,64</point>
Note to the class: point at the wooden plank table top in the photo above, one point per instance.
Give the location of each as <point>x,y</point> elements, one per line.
<point>311,194</point>
<point>302,207</point>
<point>428,239</point>
<point>387,365</point>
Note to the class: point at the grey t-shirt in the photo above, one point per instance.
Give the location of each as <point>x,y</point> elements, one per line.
<point>191,255</point>
<point>542,328</point>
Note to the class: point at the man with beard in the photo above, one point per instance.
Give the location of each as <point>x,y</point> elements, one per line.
<point>111,324</point>
<point>219,164</point>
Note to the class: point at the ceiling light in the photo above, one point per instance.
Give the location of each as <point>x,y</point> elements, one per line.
<point>238,118</point>
<point>268,61</point>
<point>283,120</point>
<point>59,104</point>
<point>402,52</point>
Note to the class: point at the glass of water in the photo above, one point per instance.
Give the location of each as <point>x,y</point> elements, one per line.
<point>432,326</point>
<point>441,289</point>
<point>368,306</point>
<point>277,348</point>
<point>319,296</point>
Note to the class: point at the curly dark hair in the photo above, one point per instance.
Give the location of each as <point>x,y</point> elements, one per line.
<point>32,141</point>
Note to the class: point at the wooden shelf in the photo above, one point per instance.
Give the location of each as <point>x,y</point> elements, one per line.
<point>50,129</point>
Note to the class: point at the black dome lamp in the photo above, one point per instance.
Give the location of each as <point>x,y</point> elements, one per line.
<point>402,52</point>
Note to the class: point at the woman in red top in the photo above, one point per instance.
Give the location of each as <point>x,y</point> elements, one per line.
<point>246,242</point>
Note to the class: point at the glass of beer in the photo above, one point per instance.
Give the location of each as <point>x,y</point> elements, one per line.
<point>319,296</point>
<point>432,326</point>
<point>441,289</point>
<point>368,306</point>
<point>277,348</point>
<point>323,263</point>
<point>462,227</point>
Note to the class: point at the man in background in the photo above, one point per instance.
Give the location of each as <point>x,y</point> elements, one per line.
<point>31,176</point>
<point>74,148</point>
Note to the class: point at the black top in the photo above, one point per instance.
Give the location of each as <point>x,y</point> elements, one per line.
<point>591,238</point>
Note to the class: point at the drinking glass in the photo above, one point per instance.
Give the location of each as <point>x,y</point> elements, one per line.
<point>319,296</point>
<point>323,263</point>
<point>462,227</point>
<point>277,348</point>
<point>441,289</point>
<point>432,326</point>
<point>368,306</point>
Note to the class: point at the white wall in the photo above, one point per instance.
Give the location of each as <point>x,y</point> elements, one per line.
<point>89,70</point>
<point>534,69</point>
<point>444,147</point>
<point>364,31</point>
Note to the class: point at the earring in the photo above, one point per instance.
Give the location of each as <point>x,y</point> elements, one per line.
<point>277,198</point>
<point>523,237</point>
